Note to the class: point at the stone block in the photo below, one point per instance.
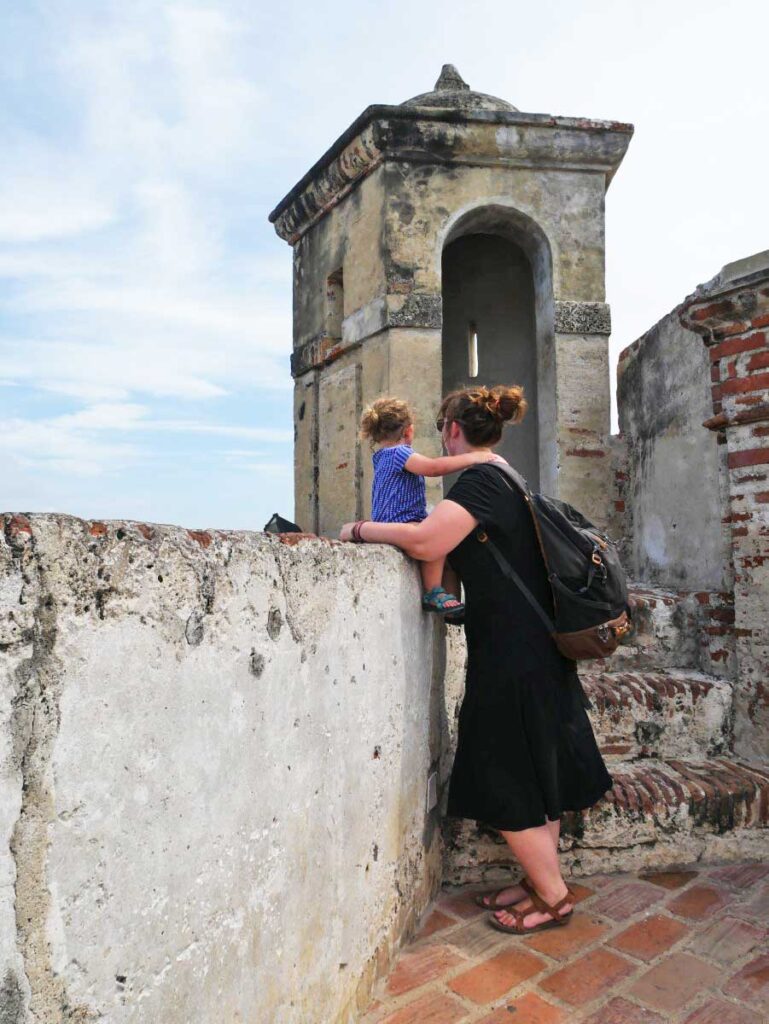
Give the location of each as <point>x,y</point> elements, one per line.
<point>339,412</point>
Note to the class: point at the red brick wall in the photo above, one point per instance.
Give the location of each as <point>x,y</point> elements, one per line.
<point>733,317</point>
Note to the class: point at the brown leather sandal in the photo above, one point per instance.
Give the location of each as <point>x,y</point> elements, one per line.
<point>524,883</point>
<point>518,928</point>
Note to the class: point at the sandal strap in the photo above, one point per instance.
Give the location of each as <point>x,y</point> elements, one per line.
<point>440,597</point>
<point>518,919</point>
<point>493,896</point>
<point>553,911</point>
<point>493,900</point>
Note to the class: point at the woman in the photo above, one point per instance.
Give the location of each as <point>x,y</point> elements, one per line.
<point>526,750</point>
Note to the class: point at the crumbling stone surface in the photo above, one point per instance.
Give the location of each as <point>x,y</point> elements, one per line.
<point>674,499</point>
<point>214,752</point>
<point>582,318</point>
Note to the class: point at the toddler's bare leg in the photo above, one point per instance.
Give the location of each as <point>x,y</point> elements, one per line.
<point>432,572</point>
<point>433,575</point>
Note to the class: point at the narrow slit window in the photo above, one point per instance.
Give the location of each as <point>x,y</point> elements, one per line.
<point>472,350</point>
<point>334,304</point>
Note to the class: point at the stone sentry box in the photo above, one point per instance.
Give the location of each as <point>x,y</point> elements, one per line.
<point>448,226</point>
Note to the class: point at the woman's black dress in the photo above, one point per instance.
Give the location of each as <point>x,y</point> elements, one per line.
<point>526,749</point>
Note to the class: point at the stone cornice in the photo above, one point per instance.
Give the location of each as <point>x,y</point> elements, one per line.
<point>582,318</point>
<point>417,311</point>
<point>507,138</point>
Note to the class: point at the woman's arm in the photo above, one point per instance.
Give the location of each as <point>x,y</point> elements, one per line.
<point>444,464</point>
<point>446,526</point>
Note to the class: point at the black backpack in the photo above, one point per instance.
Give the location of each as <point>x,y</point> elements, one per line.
<point>590,597</point>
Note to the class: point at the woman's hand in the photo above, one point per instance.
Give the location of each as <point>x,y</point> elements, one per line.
<point>346,532</point>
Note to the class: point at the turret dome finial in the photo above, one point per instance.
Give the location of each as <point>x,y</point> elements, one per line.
<point>450,80</point>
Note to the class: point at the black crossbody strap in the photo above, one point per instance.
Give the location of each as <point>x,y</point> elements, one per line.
<point>511,574</point>
<point>507,470</point>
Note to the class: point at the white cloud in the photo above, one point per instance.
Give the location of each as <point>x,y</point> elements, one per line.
<point>32,209</point>
<point>89,442</point>
<point>127,283</point>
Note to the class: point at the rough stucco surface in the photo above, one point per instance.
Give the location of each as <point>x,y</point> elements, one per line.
<point>215,750</point>
<point>675,533</point>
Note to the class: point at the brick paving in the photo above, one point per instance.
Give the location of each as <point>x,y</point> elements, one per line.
<point>675,947</point>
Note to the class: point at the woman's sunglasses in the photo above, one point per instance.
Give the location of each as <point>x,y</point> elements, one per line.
<point>439,424</point>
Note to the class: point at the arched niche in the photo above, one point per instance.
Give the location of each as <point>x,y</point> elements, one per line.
<point>498,307</point>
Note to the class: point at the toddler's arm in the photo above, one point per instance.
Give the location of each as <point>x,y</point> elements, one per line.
<point>424,466</point>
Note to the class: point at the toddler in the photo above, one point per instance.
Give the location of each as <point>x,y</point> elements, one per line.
<point>398,489</point>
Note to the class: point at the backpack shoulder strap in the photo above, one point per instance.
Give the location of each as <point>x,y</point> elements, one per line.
<point>508,571</point>
<point>513,576</point>
<point>512,474</point>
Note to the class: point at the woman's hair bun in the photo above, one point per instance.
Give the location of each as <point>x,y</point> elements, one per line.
<point>482,412</point>
<point>507,403</point>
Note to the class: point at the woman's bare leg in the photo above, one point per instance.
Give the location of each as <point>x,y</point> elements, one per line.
<point>536,850</point>
<point>515,894</point>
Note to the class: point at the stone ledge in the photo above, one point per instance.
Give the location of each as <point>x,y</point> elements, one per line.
<point>659,714</point>
<point>658,812</point>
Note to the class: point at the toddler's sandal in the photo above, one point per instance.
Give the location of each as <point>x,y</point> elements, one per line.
<point>437,599</point>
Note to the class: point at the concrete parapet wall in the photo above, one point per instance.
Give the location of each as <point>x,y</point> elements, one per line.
<point>214,750</point>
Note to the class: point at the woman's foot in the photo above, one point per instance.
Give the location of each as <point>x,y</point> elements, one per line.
<point>505,897</point>
<point>532,916</point>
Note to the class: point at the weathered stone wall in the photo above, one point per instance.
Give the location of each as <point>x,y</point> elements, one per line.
<point>674,500</point>
<point>215,750</point>
<point>368,225</point>
<point>731,313</point>
<point>693,402</point>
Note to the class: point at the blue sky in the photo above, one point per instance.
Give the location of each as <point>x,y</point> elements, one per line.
<point>145,320</point>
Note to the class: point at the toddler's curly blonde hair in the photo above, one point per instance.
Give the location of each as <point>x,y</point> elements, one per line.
<point>385,420</point>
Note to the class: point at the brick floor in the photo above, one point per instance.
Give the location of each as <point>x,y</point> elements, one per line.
<point>584,979</point>
<point>497,975</point>
<point>751,983</point>
<point>674,982</point>
<point>716,1011</point>
<point>674,947</point>
<point>648,938</point>
<point>697,901</point>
